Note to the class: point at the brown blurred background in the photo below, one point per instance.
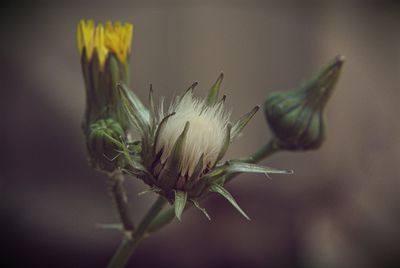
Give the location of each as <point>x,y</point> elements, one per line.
<point>341,208</point>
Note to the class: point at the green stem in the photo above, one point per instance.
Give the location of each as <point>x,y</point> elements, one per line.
<point>117,180</point>
<point>130,242</point>
<point>263,152</point>
<point>168,215</point>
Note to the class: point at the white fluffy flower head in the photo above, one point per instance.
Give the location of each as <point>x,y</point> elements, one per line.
<point>205,137</point>
<point>178,153</point>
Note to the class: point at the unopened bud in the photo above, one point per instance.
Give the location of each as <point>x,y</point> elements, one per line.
<point>104,52</point>
<point>296,117</point>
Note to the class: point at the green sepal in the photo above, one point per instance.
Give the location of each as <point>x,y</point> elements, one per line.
<point>197,205</point>
<point>136,111</point>
<point>99,89</point>
<point>214,90</point>
<point>112,75</point>
<point>91,101</point>
<point>180,203</point>
<point>222,191</point>
<point>242,122</point>
<point>152,110</point>
<point>215,173</point>
<point>231,167</point>
<point>170,173</point>
<point>139,116</point>
<point>237,167</point>
<point>159,130</point>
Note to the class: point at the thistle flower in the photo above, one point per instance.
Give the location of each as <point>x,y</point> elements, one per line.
<point>181,150</point>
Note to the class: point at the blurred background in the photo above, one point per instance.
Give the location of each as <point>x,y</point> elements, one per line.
<point>341,208</point>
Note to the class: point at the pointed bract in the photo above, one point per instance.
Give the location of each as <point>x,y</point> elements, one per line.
<point>222,191</point>
<point>180,203</point>
<point>213,93</point>
<point>170,173</point>
<point>236,167</point>
<point>197,205</point>
<point>152,110</point>
<point>137,112</point>
<point>242,122</point>
<point>227,141</point>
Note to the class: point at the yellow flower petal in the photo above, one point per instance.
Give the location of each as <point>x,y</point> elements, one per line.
<point>111,38</point>
<point>99,44</point>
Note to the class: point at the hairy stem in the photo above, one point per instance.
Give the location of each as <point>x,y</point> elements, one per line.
<point>130,242</point>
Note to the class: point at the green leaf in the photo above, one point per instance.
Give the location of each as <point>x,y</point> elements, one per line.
<point>242,122</point>
<point>236,167</point>
<point>197,205</point>
<point>213,93</point>
<point>180,203</point>
<point>222,191</point>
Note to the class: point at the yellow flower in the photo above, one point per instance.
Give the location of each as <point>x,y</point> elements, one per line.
<point>104,40</point>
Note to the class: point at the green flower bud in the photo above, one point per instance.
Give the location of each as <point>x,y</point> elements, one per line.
<point>296,117</point>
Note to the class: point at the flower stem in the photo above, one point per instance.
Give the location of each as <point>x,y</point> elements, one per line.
<point>117,180</point>
<point>131,241</point>
<point>168,215</point>
<point>269,148</point>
